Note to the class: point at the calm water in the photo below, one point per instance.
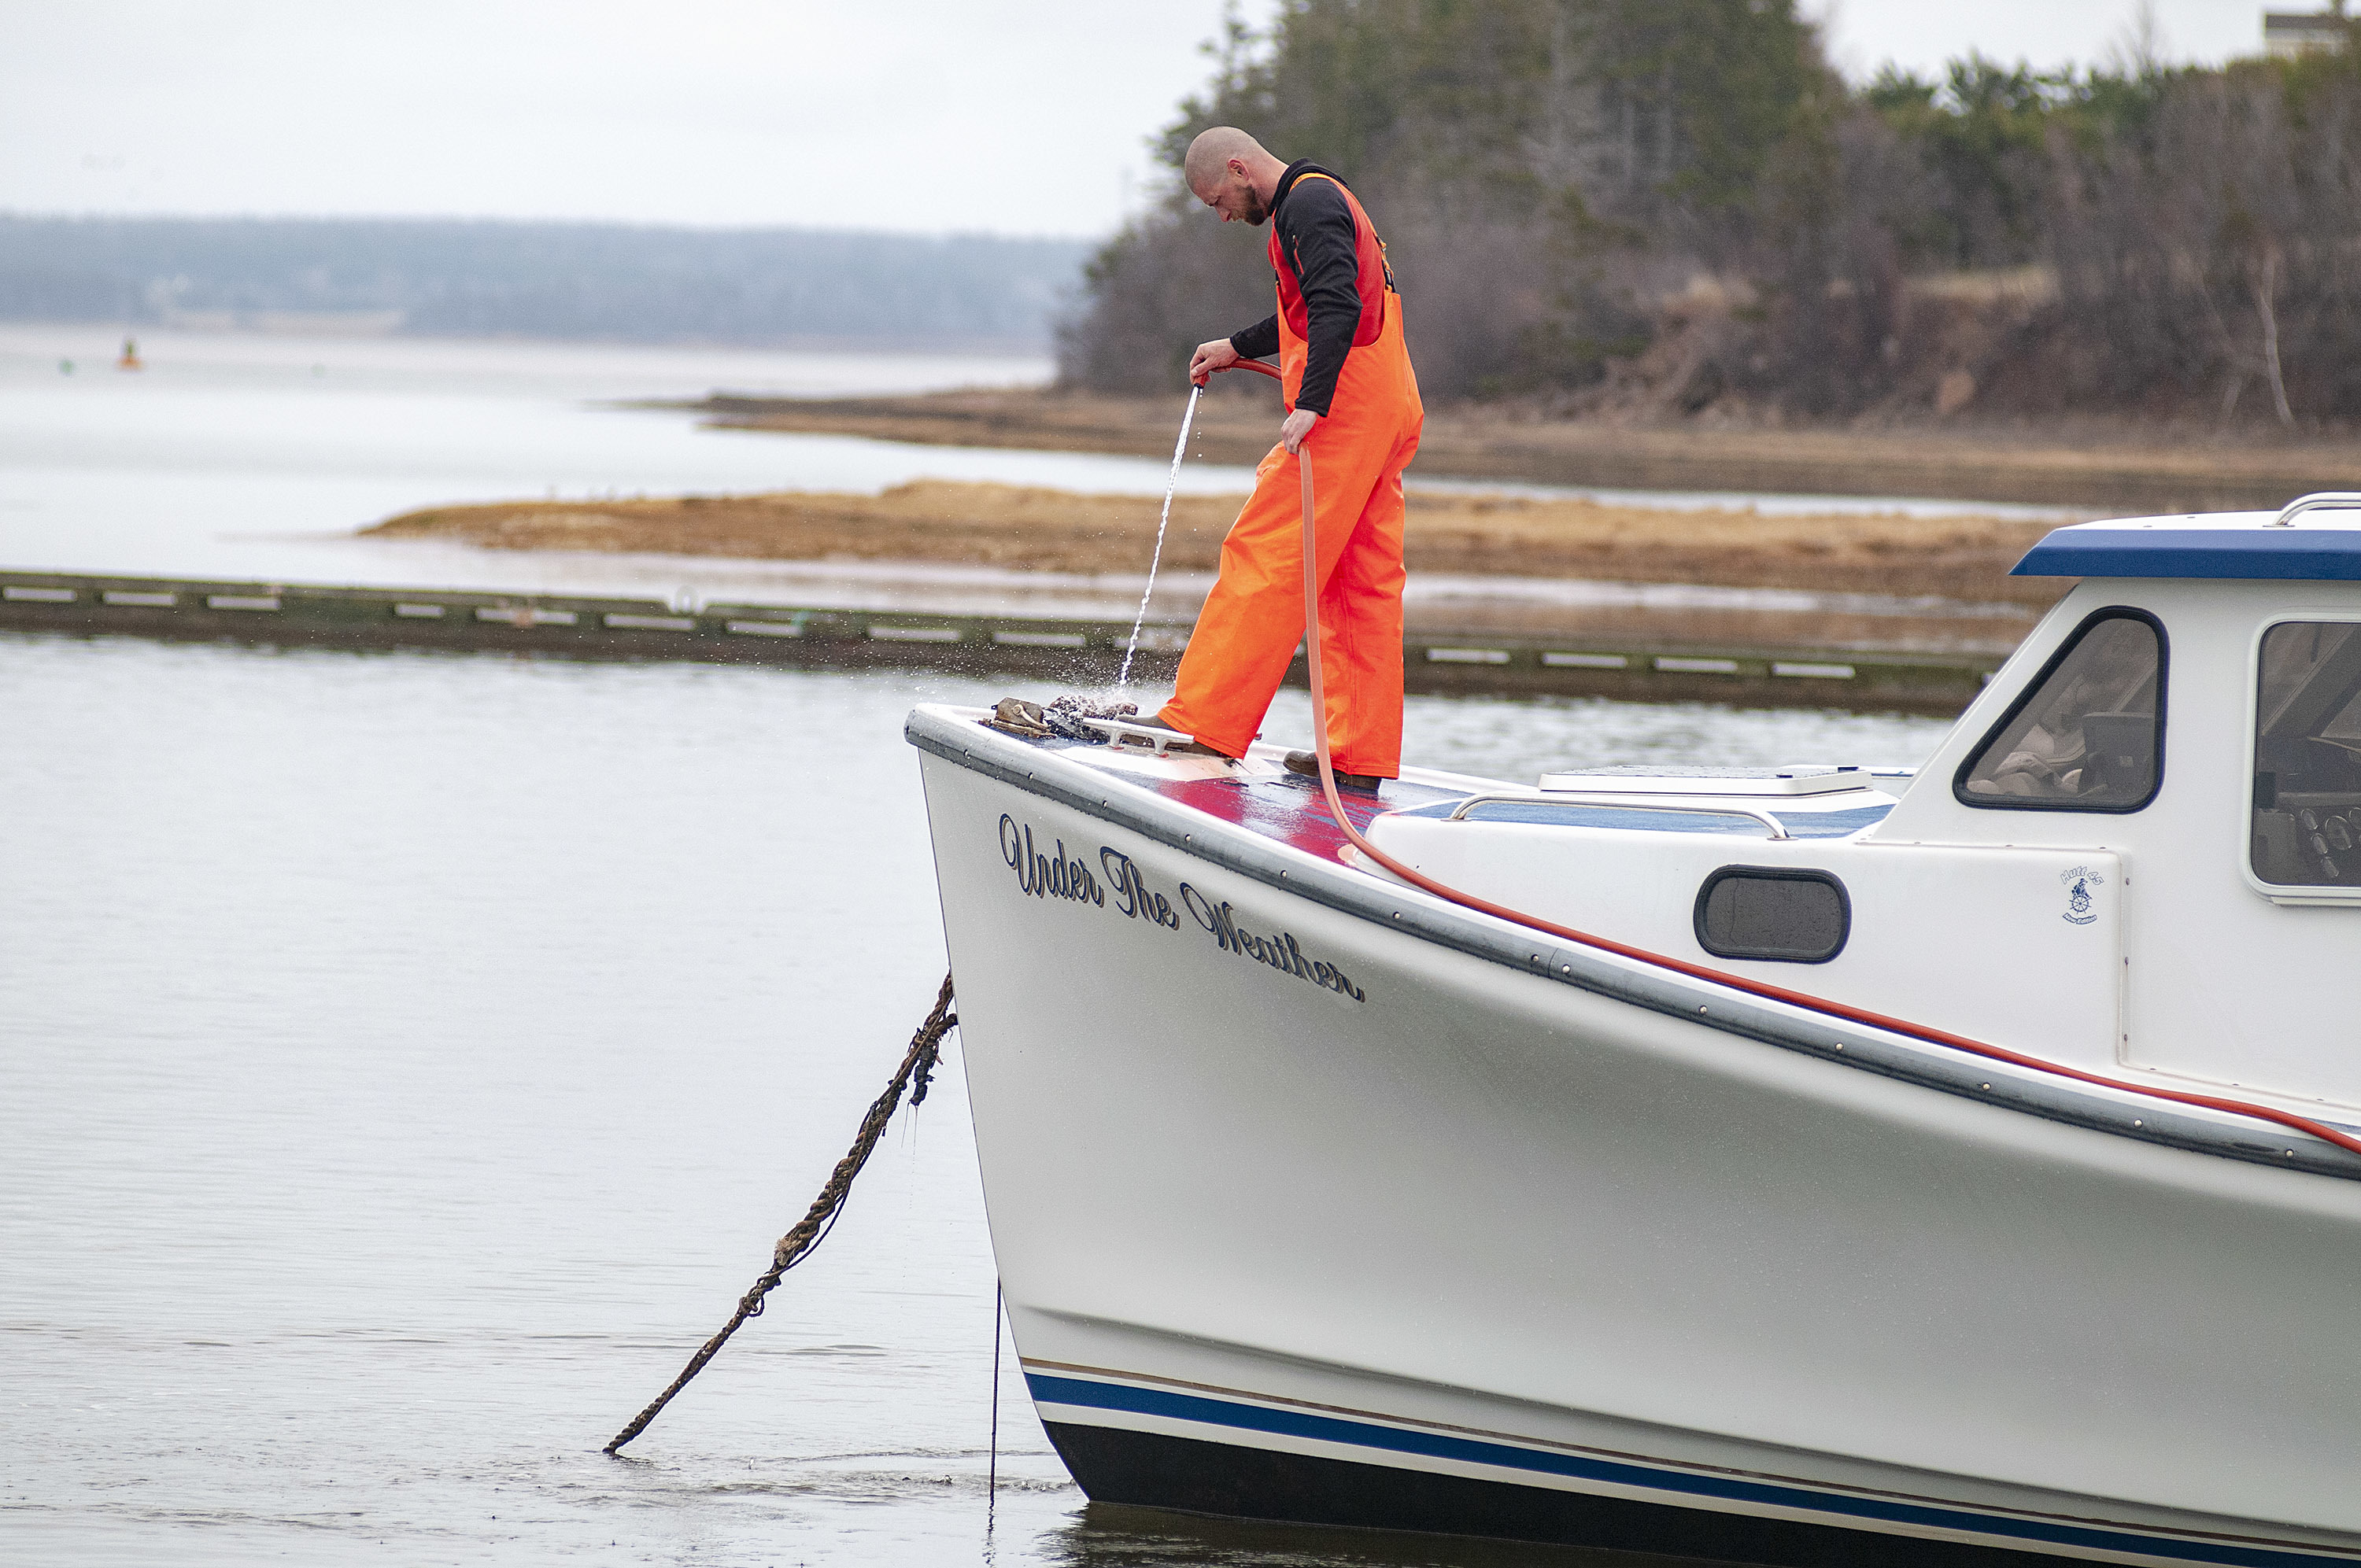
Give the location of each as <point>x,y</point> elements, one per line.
<point>257,457</point>
<point>411,1058</point>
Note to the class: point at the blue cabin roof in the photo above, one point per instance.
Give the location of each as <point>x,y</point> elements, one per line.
<point>2324,547</point>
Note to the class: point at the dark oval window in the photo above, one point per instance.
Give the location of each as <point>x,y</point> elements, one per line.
<point>1773,912</point>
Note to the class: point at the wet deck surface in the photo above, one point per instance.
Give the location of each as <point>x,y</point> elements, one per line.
<point>1288,809</point>
<point>1291,810</point>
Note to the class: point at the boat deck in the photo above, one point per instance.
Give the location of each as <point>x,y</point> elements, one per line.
<point>1264,798</point>
<point>1288,808</point>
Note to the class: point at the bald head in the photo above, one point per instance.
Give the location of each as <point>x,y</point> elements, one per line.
<point>1209,155</point>
<point>1230,172</point>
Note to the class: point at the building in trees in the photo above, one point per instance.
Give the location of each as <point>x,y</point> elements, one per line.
<point>2287,34</point>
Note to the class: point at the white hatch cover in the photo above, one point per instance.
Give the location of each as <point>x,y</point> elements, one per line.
<point>1803,778</point>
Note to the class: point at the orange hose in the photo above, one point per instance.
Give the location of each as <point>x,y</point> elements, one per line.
<point>1698,972</point>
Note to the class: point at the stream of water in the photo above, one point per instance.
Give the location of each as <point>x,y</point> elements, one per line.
<point>1156,557</point>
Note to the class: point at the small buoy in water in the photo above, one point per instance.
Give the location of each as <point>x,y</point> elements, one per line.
<point>131,360</point>
<point>65,366</point>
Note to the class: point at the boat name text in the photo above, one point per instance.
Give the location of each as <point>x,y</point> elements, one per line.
<point>1055,873</point>
<point>1133,894</point>
<point>1280,952</point>
<point>1047,876</point>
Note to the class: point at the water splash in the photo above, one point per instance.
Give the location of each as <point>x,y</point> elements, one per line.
<point>1122,676</point>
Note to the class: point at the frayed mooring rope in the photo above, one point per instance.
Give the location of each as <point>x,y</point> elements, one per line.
<point>917,1068</point>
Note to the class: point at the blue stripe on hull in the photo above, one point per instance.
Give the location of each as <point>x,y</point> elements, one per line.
<point>1838,1508</point>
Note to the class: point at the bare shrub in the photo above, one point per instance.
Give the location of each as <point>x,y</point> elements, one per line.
<point>1167,282</point>
<point>1671,206</point>
<point>1515,154</point>
<point>2212,249</point>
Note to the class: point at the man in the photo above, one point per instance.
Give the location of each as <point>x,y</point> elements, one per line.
<point>1353,404</point>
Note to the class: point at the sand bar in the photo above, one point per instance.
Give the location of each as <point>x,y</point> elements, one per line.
<point>1963,558</point>
<point>2110,467</point>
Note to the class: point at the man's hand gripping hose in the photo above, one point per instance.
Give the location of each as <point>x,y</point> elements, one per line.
<point>1697,971</point>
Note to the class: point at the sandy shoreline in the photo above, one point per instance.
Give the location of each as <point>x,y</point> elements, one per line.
<point>2106,468</point>
<point>1956,558</point>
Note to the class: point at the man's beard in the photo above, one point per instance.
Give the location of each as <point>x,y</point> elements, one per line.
<point>1256,213</point>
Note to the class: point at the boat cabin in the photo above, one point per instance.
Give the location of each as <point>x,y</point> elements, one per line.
<point>2138,853</point>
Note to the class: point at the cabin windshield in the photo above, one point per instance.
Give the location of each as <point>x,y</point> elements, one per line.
<point>2088,738</point>
<point>2307,821</point>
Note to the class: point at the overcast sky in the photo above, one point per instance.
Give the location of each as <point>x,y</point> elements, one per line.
<point>908,115</point>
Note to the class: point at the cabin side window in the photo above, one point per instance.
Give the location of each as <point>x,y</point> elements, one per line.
<point>2089,734</point>
<point>2307,805</point>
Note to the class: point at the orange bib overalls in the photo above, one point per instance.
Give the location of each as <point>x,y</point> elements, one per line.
<point>1247,633</point>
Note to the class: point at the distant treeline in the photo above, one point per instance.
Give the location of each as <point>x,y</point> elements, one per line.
<point>1677,204</point>
<point>539,279</point>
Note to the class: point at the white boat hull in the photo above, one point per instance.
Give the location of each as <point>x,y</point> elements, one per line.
<point>1389,1214</point>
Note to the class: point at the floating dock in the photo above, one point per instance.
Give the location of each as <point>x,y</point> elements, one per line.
<point>1078,651</point>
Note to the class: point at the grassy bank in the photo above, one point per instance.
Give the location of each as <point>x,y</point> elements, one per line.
<point>1002,525</point>
<point>2105,468</point>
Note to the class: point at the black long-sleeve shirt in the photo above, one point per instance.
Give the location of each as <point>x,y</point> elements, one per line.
<point>1316,237</point>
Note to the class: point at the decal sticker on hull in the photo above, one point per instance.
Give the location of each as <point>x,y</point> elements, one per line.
<point>2080,881</point>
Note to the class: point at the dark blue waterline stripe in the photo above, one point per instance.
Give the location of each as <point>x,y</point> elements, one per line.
<point>1475,1451</point>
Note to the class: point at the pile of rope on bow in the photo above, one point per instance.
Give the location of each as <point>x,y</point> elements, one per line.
<point>917,1070</point>
<point>1060,720</point>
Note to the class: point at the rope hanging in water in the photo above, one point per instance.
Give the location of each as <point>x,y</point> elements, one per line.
<point>991,1471</point>
<point>917,1067</point>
